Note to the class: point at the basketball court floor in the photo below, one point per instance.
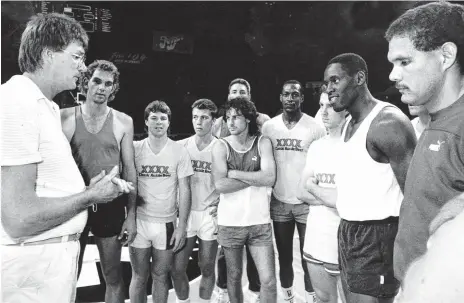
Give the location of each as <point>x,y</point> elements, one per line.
<point>91,287</point>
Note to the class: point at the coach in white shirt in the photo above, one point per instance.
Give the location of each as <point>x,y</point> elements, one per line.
<point>44,198</point>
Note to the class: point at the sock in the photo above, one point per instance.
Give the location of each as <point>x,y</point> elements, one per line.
<point>200,300</point>
<point>310,297</point>
<point>182,301</point>
<point>288,292</point>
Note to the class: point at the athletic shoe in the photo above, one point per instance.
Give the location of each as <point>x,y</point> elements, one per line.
<point>254,297</point>
<point>221,296</point>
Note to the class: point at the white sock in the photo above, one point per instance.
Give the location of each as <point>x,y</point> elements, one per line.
<point>288,292</point>
<point>310,297</point>
<point>182,301</point>
<point>200,300</point>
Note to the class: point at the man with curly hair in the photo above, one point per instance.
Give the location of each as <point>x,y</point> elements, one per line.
<point>100,138</point>
<point>243,170</point>
<point>426,48</point>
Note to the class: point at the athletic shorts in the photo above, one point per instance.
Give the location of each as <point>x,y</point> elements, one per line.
<point>238,236</point>
<point>39,273</point>
<point>365,250</point>
<point>106,220</point>
<point>285,212</point>
<point>331,268</point>
<point>150,234</point>
<point>202,225</point>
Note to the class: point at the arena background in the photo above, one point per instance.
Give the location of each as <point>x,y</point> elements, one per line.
<point>181,51</point>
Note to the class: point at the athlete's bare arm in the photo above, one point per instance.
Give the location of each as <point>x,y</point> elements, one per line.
<point>180,233</point>
<point>129,173</point>
<point>302,193</point>
<point>68,122</point>
<point>391,139</point>
<point>222,183</point>
<point>266,175</point>
<point>327,196</point>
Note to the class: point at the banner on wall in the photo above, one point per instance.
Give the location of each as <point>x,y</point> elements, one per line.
<point>173,43</point>
<point>128,58</point>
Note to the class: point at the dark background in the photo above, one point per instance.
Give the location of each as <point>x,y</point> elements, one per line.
<point>263,42</point>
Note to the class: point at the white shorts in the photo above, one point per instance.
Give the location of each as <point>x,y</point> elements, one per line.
<point>40,273</point>
<point>202,224</point>
<point>151,234</point>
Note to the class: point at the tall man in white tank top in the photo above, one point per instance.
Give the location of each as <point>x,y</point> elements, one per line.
<point>291,133</point>
<point>377,145</point>
<point>201,224</point>
<point>243,170</point>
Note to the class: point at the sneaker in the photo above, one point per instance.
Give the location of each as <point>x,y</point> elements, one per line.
<point>254,297</point>
<point>221,296</point>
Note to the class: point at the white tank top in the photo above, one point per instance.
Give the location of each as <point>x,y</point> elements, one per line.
<point>248,206</point>
<point>367,189</point>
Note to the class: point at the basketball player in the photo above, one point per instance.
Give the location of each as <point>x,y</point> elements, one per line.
<point>291,134</point>
<point>201,224</point>
<point>422,120</point>
<point>428,68</point>
<point>376,147</point>
<point>44,197</point>
<point>100,138</point>
<point>243,169</point>
<point>237,88</point>
<point>163,169</point>
<point>317,187</point>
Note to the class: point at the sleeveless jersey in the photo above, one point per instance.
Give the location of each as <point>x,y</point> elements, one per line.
<point>94,152</point>
<point>248,206</point>
<point>367,189</point>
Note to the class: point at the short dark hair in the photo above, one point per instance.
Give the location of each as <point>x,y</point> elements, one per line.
<point>157,107</point>
<point>431,25</point>
<point>294,82</point>
<point>241,81</point>
<point>103,65</point>
<point>351,63</point>
<point>247,109</point>
<point>206,104</point>
<point>48,31</point>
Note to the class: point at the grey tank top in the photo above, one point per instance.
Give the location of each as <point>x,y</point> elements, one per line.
<point>249,160</point>
<point>94,152</point>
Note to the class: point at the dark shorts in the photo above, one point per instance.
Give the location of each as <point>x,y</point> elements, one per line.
<point>285,212</point>
<point>238,236</point>
<point>365,255</point>
<point>108,218</point>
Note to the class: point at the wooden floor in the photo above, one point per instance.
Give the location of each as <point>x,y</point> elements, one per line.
<point>90,288</point>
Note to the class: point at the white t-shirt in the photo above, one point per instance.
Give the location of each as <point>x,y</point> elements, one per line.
<point>31,133</point>
<point>201,183</point>
<point>290,147</point>
<point>158,179</point>
<point>322,225</point>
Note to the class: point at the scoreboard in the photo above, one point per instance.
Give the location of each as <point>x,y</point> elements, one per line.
<point>93,16</point>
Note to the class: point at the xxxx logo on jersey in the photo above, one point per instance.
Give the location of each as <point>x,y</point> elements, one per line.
<point>154,171</point>
<point>289,144</point>
<point>326,178</point>
<point>201,166</point>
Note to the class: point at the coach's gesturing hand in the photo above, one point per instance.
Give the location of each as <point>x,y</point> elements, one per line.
<point>107,187</point>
